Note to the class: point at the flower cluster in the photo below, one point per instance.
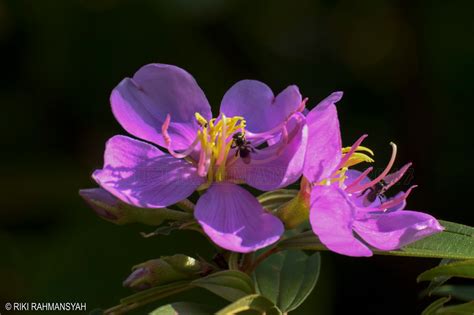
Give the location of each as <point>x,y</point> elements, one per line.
<point>264,141</point>
<point>344,201</point>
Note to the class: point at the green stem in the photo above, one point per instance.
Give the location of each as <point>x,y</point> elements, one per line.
<point>234,261</point>
<point>247,260</point>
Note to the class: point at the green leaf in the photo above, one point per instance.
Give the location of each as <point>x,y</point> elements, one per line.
<point>435,306</point>
<point>230,284</point>
<point>459,292</point>
<point>455,242</point>
<point>274,199</point>
<point>464,269</point>
<point>287,278</point>
<point>253,302</point>
<point>183,308</point>
<point>439,281</point>
<point>460,309</point>
<point>458,228</point>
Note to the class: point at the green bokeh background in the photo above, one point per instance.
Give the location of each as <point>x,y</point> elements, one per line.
<point>405,67</point>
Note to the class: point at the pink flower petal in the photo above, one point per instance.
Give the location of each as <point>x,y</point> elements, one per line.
<point>255,101</point>
<point>324,140</point>
<point>389,231</point>
<point>141,104</point>
<point>332,216</point>
<point>141,175</point>
<point>234,219</point>
<point>278,165</point>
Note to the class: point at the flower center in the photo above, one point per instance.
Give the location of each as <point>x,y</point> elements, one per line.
<point>218,136</point>
<point>216,140</point>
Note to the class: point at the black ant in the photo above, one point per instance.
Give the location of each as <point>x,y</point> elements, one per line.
<point>375,191</point>
<point>244,147</point>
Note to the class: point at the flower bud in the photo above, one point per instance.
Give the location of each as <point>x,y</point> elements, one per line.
<point>112,209</point>
<point>296,211</point>
<point>162,271</point>
<point>104,204</point>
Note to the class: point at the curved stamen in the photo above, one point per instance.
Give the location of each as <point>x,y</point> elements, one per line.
<point>393,178</point>
<point>280,146</point>
<point>202,163</point>
<point>381,176</point>
<point>397,200</point>
<point>274,130</point>
<point>167,138</point>
<point>359,178</point>
<point>350,153</point>
<point>284,140</point>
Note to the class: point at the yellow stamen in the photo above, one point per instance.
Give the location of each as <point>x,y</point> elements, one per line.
<point>216,141</point>
<point>359,148</point>
<point>201,120</point>
<point>341,177</point>
<point>358,157</point>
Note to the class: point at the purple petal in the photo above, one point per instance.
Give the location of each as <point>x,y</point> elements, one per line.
<point>389,231</point>
<point>141,175</point>
<point>331,216</point>
<point>324,140</point>
<point>278,165</point>
<point>353,175</point>
<point>140,104</point>
<point>255,101</point>
<point>234,219</point>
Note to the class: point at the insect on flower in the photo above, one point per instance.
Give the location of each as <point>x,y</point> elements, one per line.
<point>345,212</point>
<point>242,146</point>
<point>186,149</point>
<point>376,191</point>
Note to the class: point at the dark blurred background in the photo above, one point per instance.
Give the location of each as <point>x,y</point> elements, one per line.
<point>405,67</point>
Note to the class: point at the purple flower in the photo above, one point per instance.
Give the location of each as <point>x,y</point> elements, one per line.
<point>163,105</point>
<point>348,211</point>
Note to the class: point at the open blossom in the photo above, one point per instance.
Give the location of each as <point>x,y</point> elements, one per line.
<point>163,105</point>
<point>347,210</point>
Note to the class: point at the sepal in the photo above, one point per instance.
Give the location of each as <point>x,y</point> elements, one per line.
<point>295,211</point>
